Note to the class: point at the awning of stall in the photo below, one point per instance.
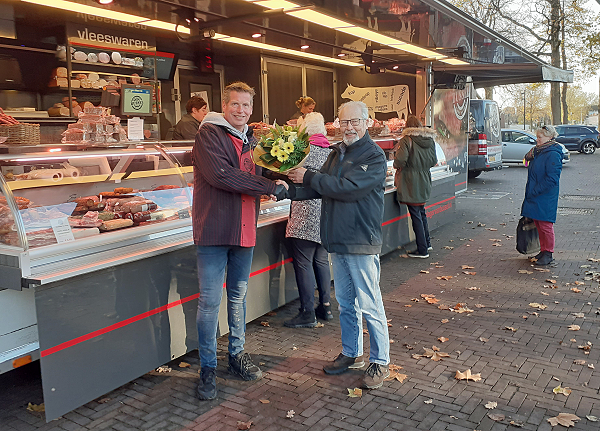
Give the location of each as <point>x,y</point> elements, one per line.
<point>508,64</point>
<point>490,75</point>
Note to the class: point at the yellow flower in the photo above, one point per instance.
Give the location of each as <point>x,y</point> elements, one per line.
<point>280,141</point>
<point>293,136</point>
<point>275,151</point>
<point>288,147</point>
<point>282,157</point>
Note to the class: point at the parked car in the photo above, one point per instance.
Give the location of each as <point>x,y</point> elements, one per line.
<point>584,139</point>
<point>485,148</point>
<point>516,143</point>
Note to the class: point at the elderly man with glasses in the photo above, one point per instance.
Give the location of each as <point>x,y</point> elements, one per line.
<point>351,184</point>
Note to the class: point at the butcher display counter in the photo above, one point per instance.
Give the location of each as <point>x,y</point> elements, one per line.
<point>98,268</point>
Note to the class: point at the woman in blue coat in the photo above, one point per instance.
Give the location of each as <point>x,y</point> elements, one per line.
<point>544,162</point>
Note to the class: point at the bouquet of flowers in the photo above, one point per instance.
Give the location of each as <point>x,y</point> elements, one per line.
<point>282,149</point>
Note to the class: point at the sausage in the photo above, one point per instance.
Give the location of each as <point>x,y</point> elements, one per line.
<point>115,224</point>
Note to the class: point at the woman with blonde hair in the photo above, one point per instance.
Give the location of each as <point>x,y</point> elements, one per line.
<point>311,262</point>
<point>305,105</point>
<point>544,165</point>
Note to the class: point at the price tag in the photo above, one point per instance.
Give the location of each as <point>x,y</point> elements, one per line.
<point>62,230</point>
<point>135,129</point>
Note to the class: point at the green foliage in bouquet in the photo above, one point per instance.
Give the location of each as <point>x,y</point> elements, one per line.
<point>285,147</point>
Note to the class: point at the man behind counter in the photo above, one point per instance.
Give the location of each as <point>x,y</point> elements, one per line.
<point>189,124</point>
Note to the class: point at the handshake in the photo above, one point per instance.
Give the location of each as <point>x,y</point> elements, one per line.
<point>283,191</point>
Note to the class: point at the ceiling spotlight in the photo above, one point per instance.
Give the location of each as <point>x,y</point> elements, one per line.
<point>395,67</point>
<point>105,1</point>
<point>256,35</point>
<point>341,54</point>
<point>304,46</point>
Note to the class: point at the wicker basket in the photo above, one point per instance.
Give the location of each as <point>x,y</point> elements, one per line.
<point>375,130</point>
<point>21,134</point>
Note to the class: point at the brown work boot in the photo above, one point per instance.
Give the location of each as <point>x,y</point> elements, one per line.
<point>375,374</point>
<point>342,363</point>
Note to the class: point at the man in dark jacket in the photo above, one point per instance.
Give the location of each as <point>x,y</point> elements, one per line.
<point>227,190</point>
<point>351,184</point>
<point>188,126</point>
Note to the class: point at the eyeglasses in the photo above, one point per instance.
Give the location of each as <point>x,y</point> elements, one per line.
<point>354,122</point>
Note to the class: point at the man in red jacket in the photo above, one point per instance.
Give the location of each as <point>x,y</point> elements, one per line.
<point>227,190</point>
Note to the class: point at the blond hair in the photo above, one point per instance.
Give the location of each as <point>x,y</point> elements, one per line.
<point>547,131</point>
<point>305,101</point>
<point>238,87</point>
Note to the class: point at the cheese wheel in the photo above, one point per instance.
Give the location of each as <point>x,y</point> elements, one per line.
<point>93,57</point>
<point>61,72</point>
<point>80,56</point>
<point>93,76</point>
<point>75,83</point>
<point>116,58</point>
<point>104,57</point>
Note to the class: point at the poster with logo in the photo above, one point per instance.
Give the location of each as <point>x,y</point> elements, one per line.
<point>451,121</point>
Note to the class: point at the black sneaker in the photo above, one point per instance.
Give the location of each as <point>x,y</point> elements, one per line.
<point>545,259</point>
<point>241,365</point>
<point>207,387</point>
<point>323,312</point>
<point>375,374</point>
<point>304,319</point>
<point>342,363</point>
<point>417,254</point>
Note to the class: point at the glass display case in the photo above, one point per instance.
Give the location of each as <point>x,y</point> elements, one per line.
<point>62,212</point>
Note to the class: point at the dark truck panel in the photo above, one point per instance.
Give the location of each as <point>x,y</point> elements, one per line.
<point>485,145</point>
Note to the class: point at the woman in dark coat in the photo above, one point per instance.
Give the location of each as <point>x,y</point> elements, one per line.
<point>415,156</point>
<point>544,164</point>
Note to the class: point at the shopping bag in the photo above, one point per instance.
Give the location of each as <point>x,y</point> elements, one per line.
<point>528,240</point>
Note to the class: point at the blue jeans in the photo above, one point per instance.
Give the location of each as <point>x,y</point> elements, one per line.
<point>357,291</point>
<point>212,261</point>
<point>418,217</point>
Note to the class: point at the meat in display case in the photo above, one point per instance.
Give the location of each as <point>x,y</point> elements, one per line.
<point>70,211</point>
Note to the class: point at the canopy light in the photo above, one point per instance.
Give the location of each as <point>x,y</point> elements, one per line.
<point>282,50</point>
<point>257,35</point>
<point>304,46</point>
<point>337,24</point>
<point>455,61</point>
<point>105,1</point>
<point>107,13</point>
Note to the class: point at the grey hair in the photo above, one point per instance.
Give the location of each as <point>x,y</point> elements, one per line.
<point>547,131</point>
<point>364,111</point>
<point>314,123</point>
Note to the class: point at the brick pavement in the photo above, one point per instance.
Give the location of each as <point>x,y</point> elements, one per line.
<point>518,369</point>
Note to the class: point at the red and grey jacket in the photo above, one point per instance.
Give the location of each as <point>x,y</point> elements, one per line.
<point>226,197</point>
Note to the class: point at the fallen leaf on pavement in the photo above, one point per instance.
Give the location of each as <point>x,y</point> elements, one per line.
<point>578,314</point>
<point>443,339</point>
<point>497,244</point>
<point>574,327</point>
<point>394,367</point>
<point>435,348</point>
<point>429,401</point>
<point>491,405</point>
<point>491,228</point>
<point>447,247</point>
<point>545,294</point>
<point>355,393</point>
<point>443,307</point>
<point>576,290</point>
<point>264,401</point>
<point>430,299</point>
<point>408,346</point>
<point>104,400</point>
<point>265,323</point>
<point>550,280</point>
<point>480,224</point>
<point>272,313</point>
<point>539,306</point>
<point>466,375</point>
<point>510,328</point>
<point>394,375</point>
<point>444,277</point>
<point>560,390</point>
<point>496,416</point>
<point>434,355</point>
<point>423,271</point>
<point>524,271</point>
<point>445,320</point>
<point>592,418</point>
<point>365,331</point>
<point>492,310</point>
<point>542,269</point>
<point>36,407</point>
<point>184,365</point>
<point>319,325</point>
<point>485,340</point>
<point>518,424</point>
<point>469,272</point>
<point>573,340</point>
<point>479,305</point>
<point>461,307</point>
<point>564,419</point>
<point>550,286</point>
<point>579,283</point>
<point>163,369</point>
<point>290,414</point>
<point>591,366</point>
<point>408,305</point>
<point>244,425</point>
<point>467,267</point>
<point>579,361</point>
<point>415,299</point>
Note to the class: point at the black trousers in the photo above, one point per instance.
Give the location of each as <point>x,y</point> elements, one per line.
<point>311,266</point>
<point>419,224</point>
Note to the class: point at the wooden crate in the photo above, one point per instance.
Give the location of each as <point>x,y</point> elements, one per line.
<point>21,134</point>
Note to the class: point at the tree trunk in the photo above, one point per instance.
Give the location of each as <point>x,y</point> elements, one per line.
<point>489,93</point>
<point>565,107</point>
<point>555,58</point>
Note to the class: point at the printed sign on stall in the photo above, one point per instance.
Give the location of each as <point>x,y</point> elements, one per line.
<point>381,99</point>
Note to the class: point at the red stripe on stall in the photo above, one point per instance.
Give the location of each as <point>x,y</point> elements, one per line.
<point>395,219</point>
<point>139,317</point>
